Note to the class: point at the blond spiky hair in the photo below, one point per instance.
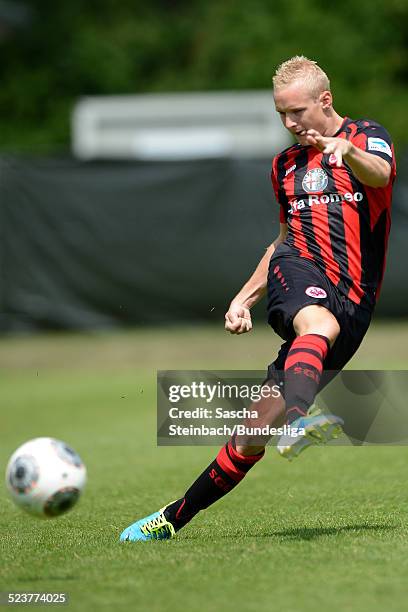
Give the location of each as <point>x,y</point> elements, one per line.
<point>300,68</point>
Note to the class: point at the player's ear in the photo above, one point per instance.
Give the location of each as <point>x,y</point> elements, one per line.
<point>326,100</point>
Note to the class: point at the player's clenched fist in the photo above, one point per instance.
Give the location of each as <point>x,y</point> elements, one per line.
<point>238,319</point>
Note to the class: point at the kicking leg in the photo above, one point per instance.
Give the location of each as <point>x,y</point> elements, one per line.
<point>223,474</point>
<point>316,329</point>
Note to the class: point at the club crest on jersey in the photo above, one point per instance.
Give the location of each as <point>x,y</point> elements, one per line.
<point>316,292</point>
<point>315,180</point>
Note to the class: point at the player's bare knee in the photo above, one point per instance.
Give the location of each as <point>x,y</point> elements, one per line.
<point>315,319</point>
<point>249,451</point>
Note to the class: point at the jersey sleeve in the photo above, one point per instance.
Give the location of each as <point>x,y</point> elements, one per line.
<point>375,139</point>
<point>283,214</point>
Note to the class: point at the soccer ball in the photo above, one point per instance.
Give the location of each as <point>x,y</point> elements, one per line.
<point>45,477</point>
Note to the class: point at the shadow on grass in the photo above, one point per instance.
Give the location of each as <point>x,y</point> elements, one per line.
<point>311,533</point>
<point>298,533</point>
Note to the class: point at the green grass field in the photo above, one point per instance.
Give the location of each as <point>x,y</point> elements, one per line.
<point>328,531</point>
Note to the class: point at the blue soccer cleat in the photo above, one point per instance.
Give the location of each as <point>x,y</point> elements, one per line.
<point>152,527</point>
<point>319,428</point>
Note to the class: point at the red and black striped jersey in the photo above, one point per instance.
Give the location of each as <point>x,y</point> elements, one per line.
<point>334,219</point>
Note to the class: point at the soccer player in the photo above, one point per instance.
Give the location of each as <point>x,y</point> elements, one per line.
<point>322,276</point>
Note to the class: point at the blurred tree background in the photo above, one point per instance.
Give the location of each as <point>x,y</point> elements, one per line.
<point>67,49</point>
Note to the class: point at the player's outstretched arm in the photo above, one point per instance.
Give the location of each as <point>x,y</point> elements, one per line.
<point>369,169</point>
<point>238,318</point>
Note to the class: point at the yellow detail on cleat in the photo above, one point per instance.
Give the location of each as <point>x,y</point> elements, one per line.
<point>159,528</point>
<point>317,432</point>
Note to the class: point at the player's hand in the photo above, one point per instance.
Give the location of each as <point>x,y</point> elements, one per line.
<point>339,147</point>
<point>238,319</point>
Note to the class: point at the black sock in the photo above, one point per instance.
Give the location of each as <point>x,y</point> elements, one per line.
<point>303,369</point>
<point>218,479</point>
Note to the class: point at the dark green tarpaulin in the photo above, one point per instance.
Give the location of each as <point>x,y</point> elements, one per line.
<point>105,244</point>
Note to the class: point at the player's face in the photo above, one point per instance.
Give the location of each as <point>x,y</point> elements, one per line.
<point>301,110</point>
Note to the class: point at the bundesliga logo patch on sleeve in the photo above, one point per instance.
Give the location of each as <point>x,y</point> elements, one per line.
<point>378,144</point>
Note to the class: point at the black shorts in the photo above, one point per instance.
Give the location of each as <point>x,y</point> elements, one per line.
<point>295,282</point>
